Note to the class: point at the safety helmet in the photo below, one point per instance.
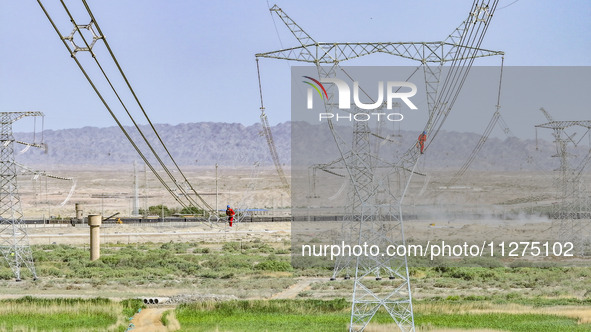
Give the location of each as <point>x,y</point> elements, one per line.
<point>424,133</point>
<point>228,206</point>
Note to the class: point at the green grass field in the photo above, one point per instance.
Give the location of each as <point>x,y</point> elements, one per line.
<point>315,315</point>
<point>155,261</point>
<point>222,266</point>
<point>34,314</point>
<point>480,296</point>
<point>502,322</point>
<point>262,315</point>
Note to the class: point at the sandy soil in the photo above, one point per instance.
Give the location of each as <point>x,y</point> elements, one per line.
<point>149,320</point>
<point>500,204</point>
<point>484,196</point>
<point>161,232</point>
<point>292,292</point>
<point>110,189</point>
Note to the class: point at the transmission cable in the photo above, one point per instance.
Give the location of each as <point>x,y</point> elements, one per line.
<point>190,200</point>
<point>117,94</point>
<point>119,124</point>
<point>141,107</point>
<point>460,68</point>
<point>489,128</point>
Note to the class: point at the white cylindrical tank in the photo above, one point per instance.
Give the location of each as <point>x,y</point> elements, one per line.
<point>94,221</point>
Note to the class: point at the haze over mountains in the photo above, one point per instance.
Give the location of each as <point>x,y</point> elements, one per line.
<point>232,144</point>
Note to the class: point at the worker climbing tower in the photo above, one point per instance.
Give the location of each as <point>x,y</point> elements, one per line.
<point>378,186</point>
<point>14,241</point>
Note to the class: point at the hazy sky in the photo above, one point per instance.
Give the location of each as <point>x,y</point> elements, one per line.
<point>192,61</point>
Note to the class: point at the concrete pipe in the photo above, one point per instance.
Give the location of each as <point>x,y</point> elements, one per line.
<point>155,300</point>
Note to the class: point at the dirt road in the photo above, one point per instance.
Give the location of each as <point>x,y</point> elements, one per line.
<point>149,320</point>
<point>293,290</point>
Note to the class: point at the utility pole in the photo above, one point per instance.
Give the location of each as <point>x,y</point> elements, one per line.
<point>136,194</point>
<point>216,188</point>
<point>145,190</point>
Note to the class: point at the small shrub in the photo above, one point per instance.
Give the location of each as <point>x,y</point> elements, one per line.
<point>273,265</point>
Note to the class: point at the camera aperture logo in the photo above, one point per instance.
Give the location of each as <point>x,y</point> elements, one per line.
<point>392,92</point>
<point>318,85</point>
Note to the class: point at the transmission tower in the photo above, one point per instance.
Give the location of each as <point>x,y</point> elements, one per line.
<point>13,233</point>
<point>573,211</point>
<point>374,214</point>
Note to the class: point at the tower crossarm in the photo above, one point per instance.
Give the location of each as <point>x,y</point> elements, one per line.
<point>309,48</point>
<point>35,145</point>
<point>546,114</point>
<point>25,170</point>
<point>302,36</point>
<point>424,52</point>
<point>565,124</point>
<point>11,117</point>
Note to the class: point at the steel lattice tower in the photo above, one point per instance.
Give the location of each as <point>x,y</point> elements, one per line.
<point>573,210</point>
<point>373,213</point>
<point>13,233</point>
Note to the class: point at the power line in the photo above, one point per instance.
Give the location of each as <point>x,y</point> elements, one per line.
<point>141,106</point>
<point>177,185</point>
<point>512,3</point>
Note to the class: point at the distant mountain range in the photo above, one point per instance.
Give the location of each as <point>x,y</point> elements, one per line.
<point>200,144</point>
<point>205,143</point>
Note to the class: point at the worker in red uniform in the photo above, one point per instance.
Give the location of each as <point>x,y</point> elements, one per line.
<point>422,139</point>
<point>230,213</point>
